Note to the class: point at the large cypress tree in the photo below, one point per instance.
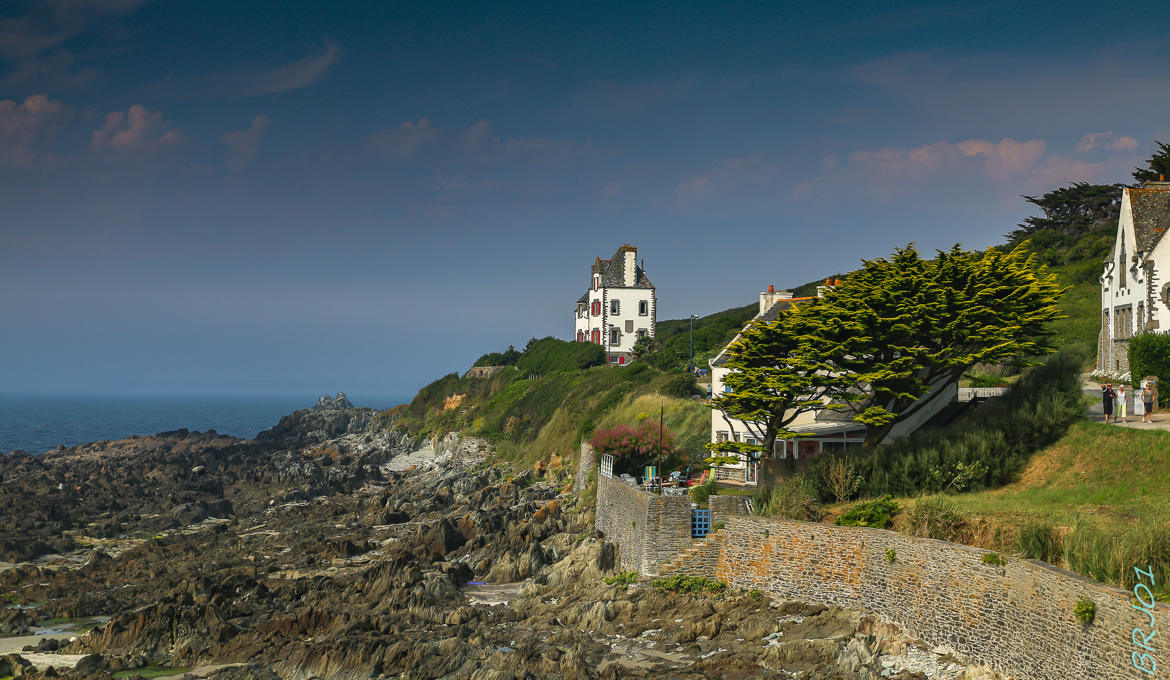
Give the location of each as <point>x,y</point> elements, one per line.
<point>901,327</point>
<point>1157,165</point>
<point>774,379</point>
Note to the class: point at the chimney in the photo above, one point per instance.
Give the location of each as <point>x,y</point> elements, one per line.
<point>1161,178</point>
<point>631,265</point>
<point>771,297</point>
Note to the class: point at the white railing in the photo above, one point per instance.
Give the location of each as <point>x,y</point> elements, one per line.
<point>969,393</point>
<point>606,466</point>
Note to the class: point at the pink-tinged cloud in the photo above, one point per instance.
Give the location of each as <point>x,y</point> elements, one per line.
<point>1106,141</point>
<point>406,139</point>
<point>298,74</point>
<point>1006,158</point>
<point>137,130</point>
<point>242,144</point>
<point>24,126</point>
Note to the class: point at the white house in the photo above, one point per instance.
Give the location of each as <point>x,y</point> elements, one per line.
<point>1135,290</point>
<point>619,307</point>
<point>821,431</point>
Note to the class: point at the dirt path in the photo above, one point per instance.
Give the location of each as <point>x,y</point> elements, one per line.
<point>1161,416</point>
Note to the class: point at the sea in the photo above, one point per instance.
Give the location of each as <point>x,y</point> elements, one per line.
<point>38,422</point>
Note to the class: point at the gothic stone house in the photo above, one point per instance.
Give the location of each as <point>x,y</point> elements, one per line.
<point>619,307</point>
<point>1135,286</point>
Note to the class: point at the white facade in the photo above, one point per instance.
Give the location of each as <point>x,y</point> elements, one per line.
<point>619,307</point>
<point>1135,292</point>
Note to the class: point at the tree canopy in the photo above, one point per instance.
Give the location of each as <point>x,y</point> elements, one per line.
<point>1158,164</point>
<point>773,379</point>
<point>900,327</point>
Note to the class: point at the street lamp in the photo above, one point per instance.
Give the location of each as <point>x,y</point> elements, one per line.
<point>691,362</point>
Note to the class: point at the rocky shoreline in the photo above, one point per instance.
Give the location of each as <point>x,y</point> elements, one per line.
<point>323,549</point>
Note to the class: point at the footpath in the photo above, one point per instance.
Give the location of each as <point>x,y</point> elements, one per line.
<point>1093,390</point>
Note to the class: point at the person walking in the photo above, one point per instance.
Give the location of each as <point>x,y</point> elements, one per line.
<point>1147,396</point>
<point>1122,400</point>
<point>1107,395</point>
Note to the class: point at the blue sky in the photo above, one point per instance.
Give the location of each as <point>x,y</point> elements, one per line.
<point>286,198</point>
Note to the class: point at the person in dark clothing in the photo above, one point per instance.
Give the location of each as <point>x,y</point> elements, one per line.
<point>1107,395</point>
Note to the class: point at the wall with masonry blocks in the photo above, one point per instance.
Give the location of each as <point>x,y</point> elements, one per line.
<point>585,464</point>
<point>648,529</point>
<point>1018,619</point>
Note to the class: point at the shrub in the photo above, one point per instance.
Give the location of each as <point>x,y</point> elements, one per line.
<point>1149,354</point>
<point>622,580</point>
<point>681,385</point>
<point>689,584</point>
<point>789,498</point>
<point>994,559</point>
<point>702,493</point>
<point>841,478</point>
<point>875,513</point>
<point>986,449</point>
<point>633,448</point>
<point>549,355</point>
<point>1039,541</point>
<point>891,555</point>
<point>1085,611</point>
<point>934,517</point>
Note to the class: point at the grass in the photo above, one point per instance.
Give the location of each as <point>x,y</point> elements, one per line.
<point>151,672</point>
<point>1096,502</point>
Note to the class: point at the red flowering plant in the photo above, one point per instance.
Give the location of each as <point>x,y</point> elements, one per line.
<point>633,448</point>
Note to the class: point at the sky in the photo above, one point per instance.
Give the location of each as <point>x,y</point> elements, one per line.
<point>303,197</point>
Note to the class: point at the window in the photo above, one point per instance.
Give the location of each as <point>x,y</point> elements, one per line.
<point>630,326</point>
<point>748,439</point>
<point>721,436</point>
<point>615,336</point>
<point>643,308</point>
<point>597,308</point>
<point>1122,265</point>
<point>615,307</point>
<point>641,332</point>
<point>580,336</point>
<point>1141,319</point>
<point>597,336</point>
<point>596,282</point>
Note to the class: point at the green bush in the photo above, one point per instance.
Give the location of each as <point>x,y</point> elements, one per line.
<point>702,493</point>
<point>986,449</point>
<point>550,355</point>
<point>891,556</point>
<point>875,513</point>
<point>689,584</point>
<point>681,385</point>
<point>622,580</point>
<point>790,498</point>
<point>934,517</point>
<point>1039,541</point>
<point>994,559</point>
<point>1149,354</point>
<point>1085,611</point>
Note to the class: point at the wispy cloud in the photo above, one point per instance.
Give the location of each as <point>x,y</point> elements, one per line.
<point>403,141</point>
<point>243,144</point>
<point>137,130</point>
<point>297,74</point>
<point>24,126</point>
<point>34,43</point>
<point>1106,140</point>
<point>732,175</point>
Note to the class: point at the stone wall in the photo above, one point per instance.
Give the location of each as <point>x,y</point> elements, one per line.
<point>1017,618</point>
<point>648,529</point>
<point>585,464</point>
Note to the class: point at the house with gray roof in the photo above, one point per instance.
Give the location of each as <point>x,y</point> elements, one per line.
<point>1135,283</point>
<point>619,306</point>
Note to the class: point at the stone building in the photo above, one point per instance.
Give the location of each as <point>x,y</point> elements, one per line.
<point>1135,289</point>
<point>620,306</point>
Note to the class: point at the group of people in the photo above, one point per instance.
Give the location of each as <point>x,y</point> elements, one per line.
<point>1120,398</point>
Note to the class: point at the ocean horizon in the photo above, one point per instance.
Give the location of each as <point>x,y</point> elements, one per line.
<point>41,422</point>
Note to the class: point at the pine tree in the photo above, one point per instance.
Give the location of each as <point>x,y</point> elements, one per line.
<point>899,328</point>
<point>773,380</point>
<point>1157,165</point>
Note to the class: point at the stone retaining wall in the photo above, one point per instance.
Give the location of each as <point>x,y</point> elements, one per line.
<point>1017,618</point>
<point>648,529</point>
